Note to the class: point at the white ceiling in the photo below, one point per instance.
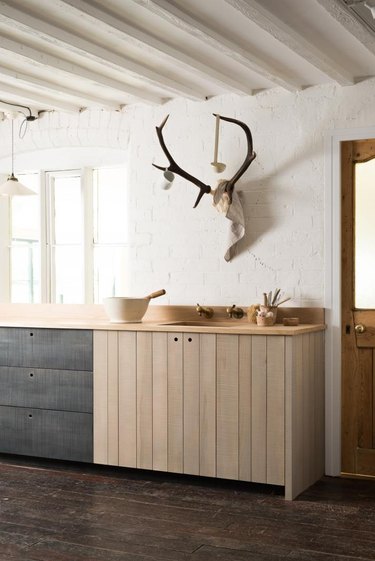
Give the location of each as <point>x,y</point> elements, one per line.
<point>73,54</point>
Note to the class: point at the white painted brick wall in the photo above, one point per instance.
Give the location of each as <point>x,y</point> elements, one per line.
<point>174,246</point>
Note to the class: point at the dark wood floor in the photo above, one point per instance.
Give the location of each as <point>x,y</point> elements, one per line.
<point>53,511</point>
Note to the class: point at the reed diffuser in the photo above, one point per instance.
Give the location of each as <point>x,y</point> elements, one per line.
<point>267,313</point>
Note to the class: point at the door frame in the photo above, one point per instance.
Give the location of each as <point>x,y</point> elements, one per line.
<point>332,295</point>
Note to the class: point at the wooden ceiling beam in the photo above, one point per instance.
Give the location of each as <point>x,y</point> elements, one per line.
<point>35,27</point>
<point>36,99</point>
<point>282,32</point>
<point>208,36</point>
<point>349,22</point>
<point>109,23</point>
<point>51,61</point>
<point>83,99</point>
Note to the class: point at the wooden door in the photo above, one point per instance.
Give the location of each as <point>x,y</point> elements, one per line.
<point>358,307</point>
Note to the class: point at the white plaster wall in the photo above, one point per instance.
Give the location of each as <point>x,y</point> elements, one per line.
<point>174,246</point>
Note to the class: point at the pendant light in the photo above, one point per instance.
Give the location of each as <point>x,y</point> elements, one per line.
<point>12,187</point>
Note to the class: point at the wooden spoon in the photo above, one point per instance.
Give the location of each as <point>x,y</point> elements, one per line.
<point>156,294</point>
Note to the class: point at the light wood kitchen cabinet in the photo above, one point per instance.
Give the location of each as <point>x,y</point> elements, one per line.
<point>243,407</point>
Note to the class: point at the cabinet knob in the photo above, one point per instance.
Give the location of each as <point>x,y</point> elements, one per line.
<point>360,328</point>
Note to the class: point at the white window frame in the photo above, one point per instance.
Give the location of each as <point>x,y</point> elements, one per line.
<point>48,250</point>
<point>5,249</point>
<point>47,235</point>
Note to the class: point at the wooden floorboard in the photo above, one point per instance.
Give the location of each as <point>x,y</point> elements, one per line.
<point>60,511</point>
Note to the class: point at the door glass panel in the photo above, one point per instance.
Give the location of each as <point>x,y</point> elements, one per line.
<point>364,244</point>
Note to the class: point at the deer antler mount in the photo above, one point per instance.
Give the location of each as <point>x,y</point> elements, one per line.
<point>205,189</point>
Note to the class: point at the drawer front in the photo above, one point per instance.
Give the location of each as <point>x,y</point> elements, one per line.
<point>64,390</point>
<point>48,434</point>
<point>66,349</point>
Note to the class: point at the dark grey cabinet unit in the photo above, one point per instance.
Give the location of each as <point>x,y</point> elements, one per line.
<point>46,393</point>
<point>66,349</point>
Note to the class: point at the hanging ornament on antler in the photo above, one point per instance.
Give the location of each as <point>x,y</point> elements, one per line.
<point>219,167</point>
<point>227,191</point>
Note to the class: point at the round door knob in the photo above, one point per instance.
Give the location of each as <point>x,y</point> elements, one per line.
<point>360,328</point>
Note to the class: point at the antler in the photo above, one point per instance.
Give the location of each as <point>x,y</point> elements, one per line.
<point>175,168</point>
<point>250,156</point>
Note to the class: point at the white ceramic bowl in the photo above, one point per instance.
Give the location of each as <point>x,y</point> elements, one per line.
<point>125,310</point>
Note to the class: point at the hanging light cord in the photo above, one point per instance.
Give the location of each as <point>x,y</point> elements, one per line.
<point>28,118</point>
<point>12,149</point>
<point>23,128</point>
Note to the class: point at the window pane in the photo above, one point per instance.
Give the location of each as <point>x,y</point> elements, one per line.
<point>67,274</point>
<point>68,210</point>
<point>110,223</point>
<point>69,285</point>
<point>25,272</point>
<point>25,210</point>
<point>109,272</point>
<point>25,244</point>
<point>365,235</point>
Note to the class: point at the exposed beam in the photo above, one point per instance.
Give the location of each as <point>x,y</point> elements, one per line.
<point>47,87</point>
<point>60,64</point>
<point>349,22</point>
<point>36,99</point>
<point>58,36</point>
<point>210,37</point>
<point>274,26</point>
<point>106,22</point>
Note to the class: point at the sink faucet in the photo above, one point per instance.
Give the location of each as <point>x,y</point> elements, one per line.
<point>205,312</point>
<point>235,312</point>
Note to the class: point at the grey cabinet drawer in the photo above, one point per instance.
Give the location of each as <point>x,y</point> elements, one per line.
<point>66,349</point>
<point>65,390</point>
<point>50,434</point>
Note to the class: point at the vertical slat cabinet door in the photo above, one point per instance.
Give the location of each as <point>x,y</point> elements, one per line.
<point>160,401</point>
<point>259,409</point>
<point>191,403</point>
<point>113,398</point>
<point>319,377</point>
<point>175,404</point>
<point>227,406</point>
<point>275,409</point>
<point>100,397</point>
<point>244,401</point>
<point>207,397</point>
<point>312,420</point>
<point>127,399</point>
<point>144,400</point>
<point>294,483</point>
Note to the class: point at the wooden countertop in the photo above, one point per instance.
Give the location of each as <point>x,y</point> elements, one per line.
<point>216,327</point>
<point>175,319</point>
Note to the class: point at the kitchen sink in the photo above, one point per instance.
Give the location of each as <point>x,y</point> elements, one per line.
<point>201,323</point>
